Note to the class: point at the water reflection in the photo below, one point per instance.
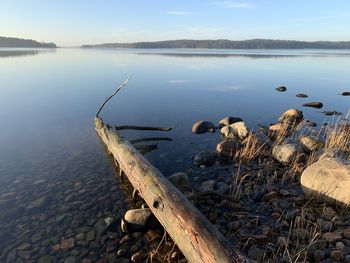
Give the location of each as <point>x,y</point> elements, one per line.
<point>20,53</point>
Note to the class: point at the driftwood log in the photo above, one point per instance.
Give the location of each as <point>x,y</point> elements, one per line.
<point>195,236</point>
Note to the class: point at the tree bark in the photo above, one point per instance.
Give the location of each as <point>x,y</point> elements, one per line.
<point>195,236</point>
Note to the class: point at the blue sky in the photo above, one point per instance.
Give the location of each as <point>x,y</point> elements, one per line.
<point>75,22</point>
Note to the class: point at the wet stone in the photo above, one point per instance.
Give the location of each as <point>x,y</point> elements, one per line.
<point>67,244</point>
<point>45,259</point>
<point>332,237</point>
<point>90,235</point>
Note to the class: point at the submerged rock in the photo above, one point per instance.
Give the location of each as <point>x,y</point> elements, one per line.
<point>281,89</point>
<point>228,121</point>
<point>291,116</point>
<point>286,153</point>
<point>38,203</point>
<point>204,158</point>
<point>203,127</point>
<point>181,181</point>
<point>310,143</point>
<point>301,95</point>
<point>317,105</point>
<point>328,178</point>
<point>332,113</point>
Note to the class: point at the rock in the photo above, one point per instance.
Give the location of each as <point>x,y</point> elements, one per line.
<point>270,196</point>
<point>136,220</point>
<point>203,127</point>
<point>318,255</point>
<point>137,257</point>
<point>208,185</point>
<point>281,89</point>
<point>228,132</point>
<point>226,150</point>
<point>228,121</point>
<point>339,246</point>
<point>317,105</point>
<point>331,237</point>
<point>286,153</point>
<point>240,129</point>
<point>329,153</point>
<point>329,178</point>
<point>310,143</point>
<point>90,235</point>
<point>255,253</point>
<point>291,116</point>
<point>259,140</point>
<point>70,259</point>
<point>337,255</point>
<point>279,128</point>
<point>45,259</point>
<point>204,158</point>
<point>332,113</point>
<point>328,213</point>
<point>24,246</point>
<point>346,233</point>
<point>181,181</point>
<point>67,243</point>
<point>100,227</point>
<point>56,247</point>
<point>345,93</point>
<point>38,203</point>
<point>301,95</point>
<point>222,187</point>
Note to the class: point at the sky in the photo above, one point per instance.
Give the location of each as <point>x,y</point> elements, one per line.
<point>76,22</point>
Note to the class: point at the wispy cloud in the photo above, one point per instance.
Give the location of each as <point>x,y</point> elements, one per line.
<point>231,4</point>
<point>177,81</point>
<point>179,13</point>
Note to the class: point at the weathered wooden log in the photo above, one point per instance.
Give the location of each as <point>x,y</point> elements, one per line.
<point>195,236</point>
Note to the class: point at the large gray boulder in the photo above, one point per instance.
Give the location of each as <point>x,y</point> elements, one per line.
<point>328,178</point>
<point>285,153</point>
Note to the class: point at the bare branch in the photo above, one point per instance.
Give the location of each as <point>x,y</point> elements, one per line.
<point>115,92</point>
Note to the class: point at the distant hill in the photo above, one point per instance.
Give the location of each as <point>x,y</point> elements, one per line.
<point>229,44</point>
<point>18,42</point>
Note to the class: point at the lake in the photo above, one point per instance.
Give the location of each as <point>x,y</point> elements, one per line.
<point>57,181</point>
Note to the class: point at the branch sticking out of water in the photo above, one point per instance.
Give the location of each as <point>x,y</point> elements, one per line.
<point>115,92</point>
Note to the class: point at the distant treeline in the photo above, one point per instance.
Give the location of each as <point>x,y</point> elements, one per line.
<point>18,42</point>
<point>229,44</point>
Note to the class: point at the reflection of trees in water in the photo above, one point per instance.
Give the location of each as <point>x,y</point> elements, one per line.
<point>21,53</point>
<point>218,55</point>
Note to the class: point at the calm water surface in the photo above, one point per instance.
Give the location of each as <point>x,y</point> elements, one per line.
<point>56,179</point>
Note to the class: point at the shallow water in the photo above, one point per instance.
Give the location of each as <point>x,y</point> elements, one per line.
<point>49,152</point>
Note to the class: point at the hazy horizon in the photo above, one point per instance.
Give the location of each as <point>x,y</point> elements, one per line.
<point>69,23</point>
